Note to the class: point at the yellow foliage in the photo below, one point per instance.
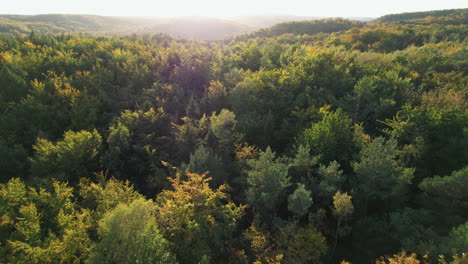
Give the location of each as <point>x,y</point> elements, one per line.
<point>274,260</point>
<point>30,45</point>
<point>343,205</point>
<point>194,216</point>
<point>67,91</point>
<point>245,152</point>
<point>325,109</point>
<point>360,137</point>
<point>178,206</point>
<point>258,240</point>
<point>6,57</point>
<point>401,258</point>
<point>104,195</point>
<point>29,222</point>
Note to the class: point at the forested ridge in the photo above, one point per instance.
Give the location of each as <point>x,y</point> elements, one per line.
<point>327,141</point>
<point>188,27</point>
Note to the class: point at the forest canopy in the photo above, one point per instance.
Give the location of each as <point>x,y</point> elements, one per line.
<point>320,141</point>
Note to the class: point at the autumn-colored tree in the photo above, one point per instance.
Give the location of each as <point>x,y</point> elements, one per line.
<point>343,209</point>
<point>41,226</point>
<point>197,220</point>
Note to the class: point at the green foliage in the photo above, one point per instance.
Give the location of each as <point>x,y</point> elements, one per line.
<point>255,111</point>
<point>267,182</point>
<point>12,158</point>
<point>378,174</point>
<point>223,127</point>
<point>446,196</point>
<point>457,239</point>
<point>118,141</point>
<point>251,57</point>
<point>331,138</point>
<point>128,234</point>
<point>300,201</point>
<point>454,186</point>
<point>13,85</point>
<point>303,163</point>
<point>330,180</point>
<point>203,161</point>
<point>307,245</point>
<point>378,97</point>
<point>69,159</point>
<point>438,136</point>
<point>216,97</point>
<point>105,195</point>
<point>137,143</point>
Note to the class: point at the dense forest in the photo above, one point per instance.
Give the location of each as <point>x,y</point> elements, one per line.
<point>325,141</point>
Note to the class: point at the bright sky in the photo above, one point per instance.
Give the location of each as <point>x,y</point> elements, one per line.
<point>223,8</point>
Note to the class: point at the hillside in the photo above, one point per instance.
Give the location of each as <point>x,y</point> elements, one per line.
<point>307,27</point>
<point>264,21</point>
<point>200,28</point>
<point>58,23</point>
<point>189,27</point>
<point>449,14</point>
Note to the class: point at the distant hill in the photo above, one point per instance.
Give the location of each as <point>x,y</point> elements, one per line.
<point>58,23</point>
<point>451,16</point>
<point>201,28</point>
<point>314,26</point>
<point>264,21</point>
<point>270,20</point>
<point>308,27</point>
<point>191,27</point>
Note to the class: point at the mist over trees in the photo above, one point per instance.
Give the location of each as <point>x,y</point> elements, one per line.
<point>320,141</point>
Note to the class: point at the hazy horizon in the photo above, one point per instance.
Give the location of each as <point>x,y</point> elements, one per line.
<point>226,9</point>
